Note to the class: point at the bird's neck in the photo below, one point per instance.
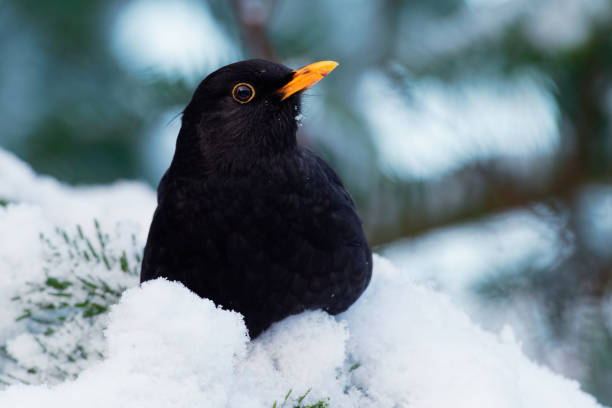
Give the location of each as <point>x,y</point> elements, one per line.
<point>204,152</point>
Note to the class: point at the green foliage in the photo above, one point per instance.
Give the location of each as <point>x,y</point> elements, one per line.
<point>4,202</point>
<point>84,274</point>
<point>298,402</point>
<point>89,294</point>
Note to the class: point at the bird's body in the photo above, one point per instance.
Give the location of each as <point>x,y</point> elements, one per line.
<point>259,225</point>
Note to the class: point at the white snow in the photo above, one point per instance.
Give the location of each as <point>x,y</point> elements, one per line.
<point>454,259</point>
<point>42,203</point>
<point>446,126</point>
<point>550,25</point>
<point>401,345</point>
<point>61,204</point>
<point>563,24</point>
<point>38,205</point>
<point>475,262</point>
<point>177,37</point>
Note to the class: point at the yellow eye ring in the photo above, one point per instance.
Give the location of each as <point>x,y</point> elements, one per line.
<point>243,92</point>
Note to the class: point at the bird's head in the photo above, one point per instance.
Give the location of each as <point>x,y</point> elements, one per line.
<point>244,111</point>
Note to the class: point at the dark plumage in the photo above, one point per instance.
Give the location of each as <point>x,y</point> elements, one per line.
<point>248,218</point>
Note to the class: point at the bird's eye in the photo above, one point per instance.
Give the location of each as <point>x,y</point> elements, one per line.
<point>243,92</point>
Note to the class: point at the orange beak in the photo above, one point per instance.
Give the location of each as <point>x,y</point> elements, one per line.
<point>306,77</point>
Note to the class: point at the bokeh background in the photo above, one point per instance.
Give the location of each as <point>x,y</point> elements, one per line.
<point>475,135</point>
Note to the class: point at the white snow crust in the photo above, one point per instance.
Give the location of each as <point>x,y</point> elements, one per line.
<point>402,344</point>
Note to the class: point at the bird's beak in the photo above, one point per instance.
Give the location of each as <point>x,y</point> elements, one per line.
<point>306,77</point>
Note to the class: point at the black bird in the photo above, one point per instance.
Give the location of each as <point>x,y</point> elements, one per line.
<point>248,218</point>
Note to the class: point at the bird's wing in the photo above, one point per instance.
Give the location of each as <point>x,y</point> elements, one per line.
<point>330,175</point>
<point>338,222</point>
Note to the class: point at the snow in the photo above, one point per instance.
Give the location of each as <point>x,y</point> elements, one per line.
<point>476,262</point>
<point>563,24</point>
<point>174,38</point>
<point>38,205</point>
<point>454,259</point>
<point>549,25</point>
<point>446,126</point>
<point>185,363</point>
<point>61,204</point>
<point>402,344</point>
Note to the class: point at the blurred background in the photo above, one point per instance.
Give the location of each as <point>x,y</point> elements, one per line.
<point>475,135</point>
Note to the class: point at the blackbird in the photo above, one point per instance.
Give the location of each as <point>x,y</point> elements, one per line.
<point>246,216</point>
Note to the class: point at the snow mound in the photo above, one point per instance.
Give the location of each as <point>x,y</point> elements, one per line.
<point>401,344</point>
<point>56,236</point>
<point>169,348</point>
<point>154,358</point>
<point>62,204</point>
<point>418,349</point>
